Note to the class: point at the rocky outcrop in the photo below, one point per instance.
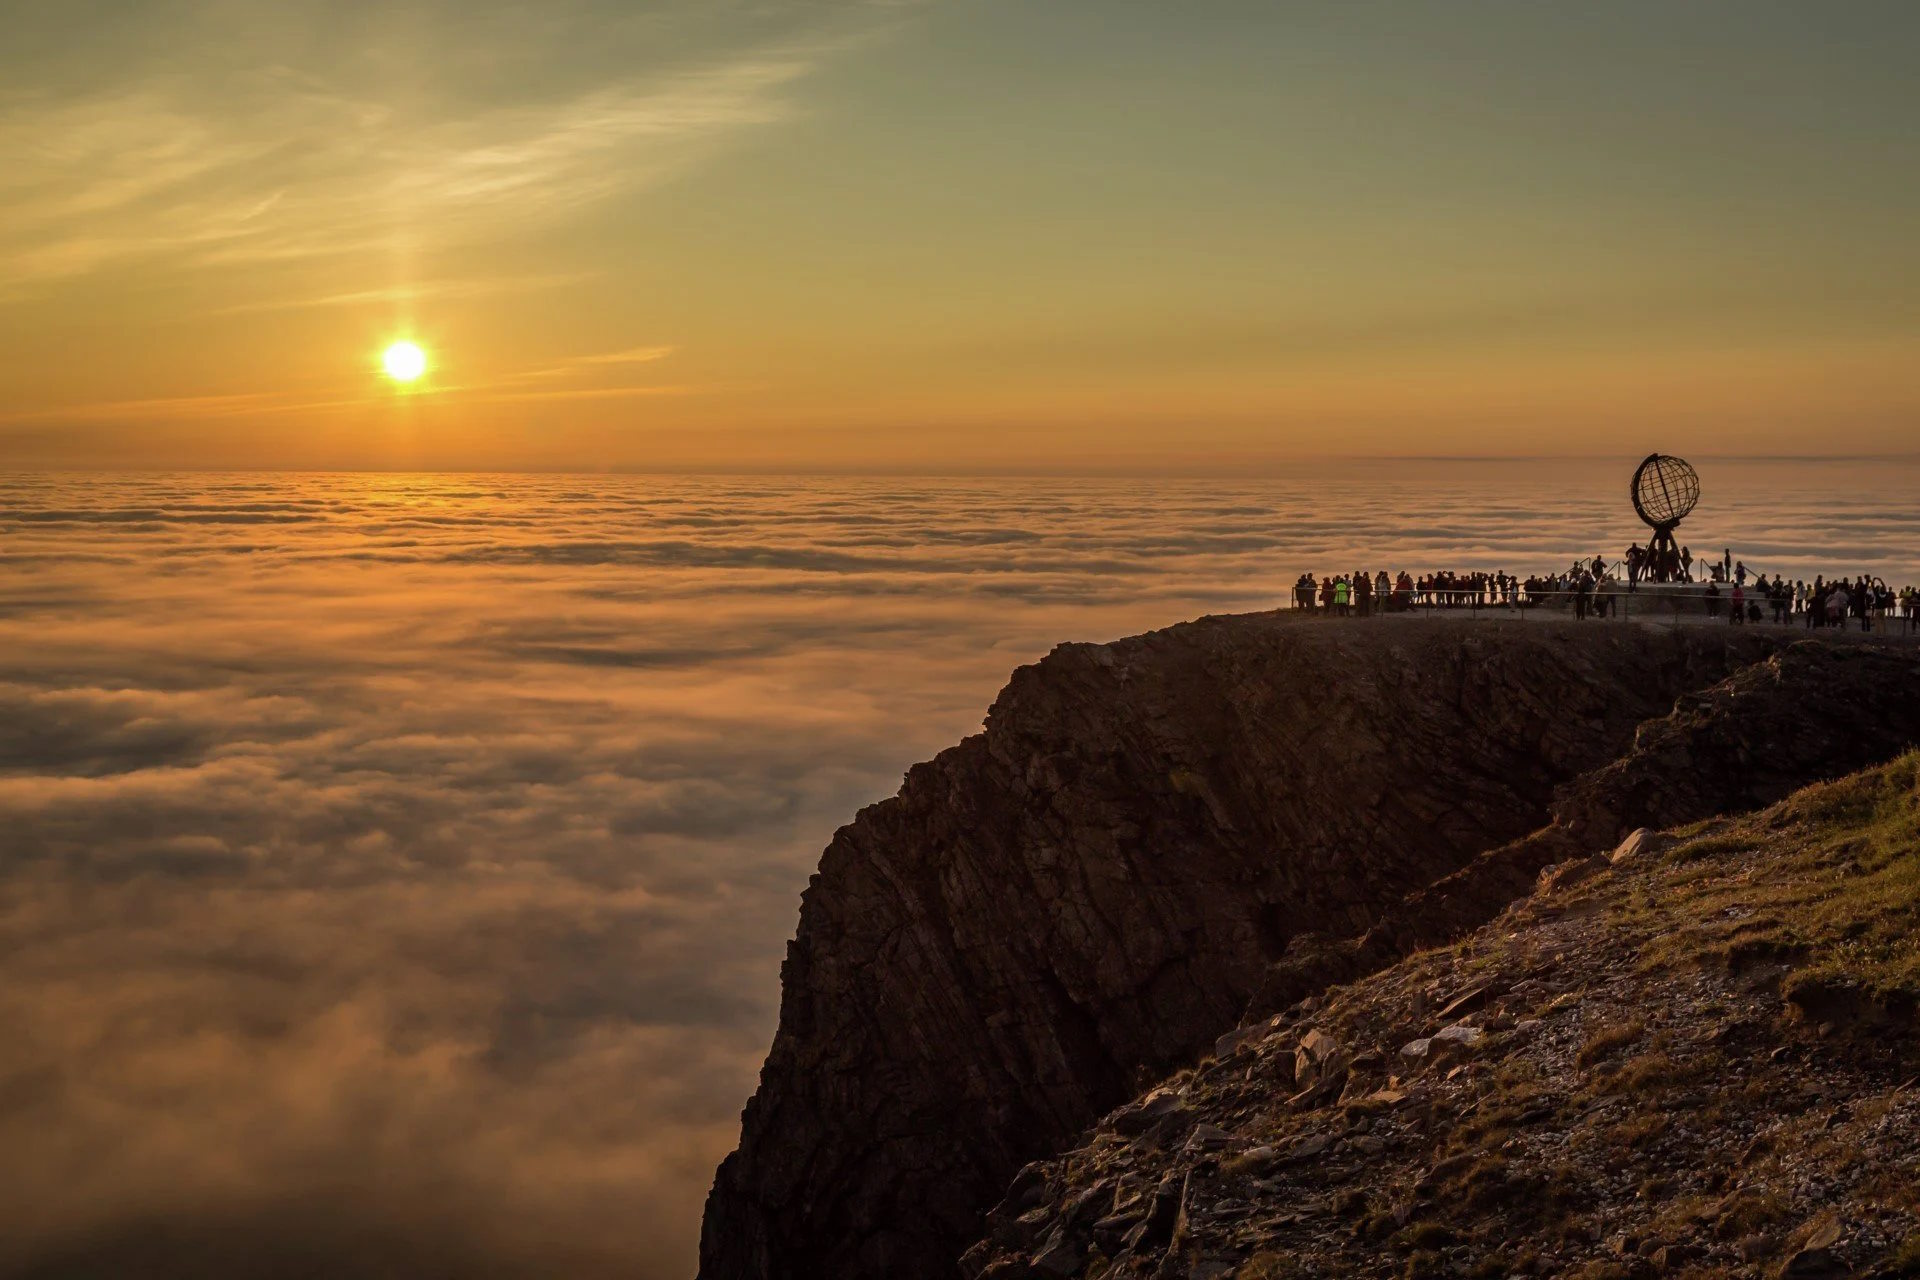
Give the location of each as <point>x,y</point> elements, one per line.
<point>1085,896</point>
<point>1694,1056</point>
<point>1817,709</point>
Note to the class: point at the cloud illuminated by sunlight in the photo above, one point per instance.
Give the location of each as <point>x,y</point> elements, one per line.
<point>278,163</point>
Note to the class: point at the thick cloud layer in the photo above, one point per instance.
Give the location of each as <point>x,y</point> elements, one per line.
<point>395,871</point>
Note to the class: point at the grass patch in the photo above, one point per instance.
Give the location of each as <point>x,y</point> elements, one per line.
<point>1905,1260</point>
<point>1609,1040</point>
<point>1423,1237</point>
<point>1486,1183</point>
<point>1748,1213</point>
<point>1640,1131</point>
<point>1600,1271</point>
<point>1644,1074</point>
<point>1249,1164</point>
<point>1835,903</point>
<point>1267,1265</point>
<point>1712,847</point>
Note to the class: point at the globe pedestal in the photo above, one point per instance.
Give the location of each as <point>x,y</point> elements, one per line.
<point>1662,562</point>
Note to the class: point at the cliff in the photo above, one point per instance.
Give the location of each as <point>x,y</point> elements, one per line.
<point>1154,838</point>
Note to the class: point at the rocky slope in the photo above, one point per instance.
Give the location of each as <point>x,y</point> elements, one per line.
<point>1814,710</point>
<point>1153,835</point>
<point>1696,1057</point>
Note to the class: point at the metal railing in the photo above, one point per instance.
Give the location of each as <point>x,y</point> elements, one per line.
<point>1615,603</point>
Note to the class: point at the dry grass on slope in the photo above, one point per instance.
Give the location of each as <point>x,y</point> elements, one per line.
<point>1699,1061</point>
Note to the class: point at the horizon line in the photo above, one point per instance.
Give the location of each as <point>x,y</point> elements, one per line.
<point>1142,470</point>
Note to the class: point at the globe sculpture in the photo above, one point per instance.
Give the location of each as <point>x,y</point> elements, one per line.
<point>1664,490</point>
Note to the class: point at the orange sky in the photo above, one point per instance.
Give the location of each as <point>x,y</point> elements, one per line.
<point>955,234</point>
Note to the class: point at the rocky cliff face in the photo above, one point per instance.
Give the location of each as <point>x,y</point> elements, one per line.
<point>1694,1057</point>
<point>1815,710</point>
<point>1083,897</point>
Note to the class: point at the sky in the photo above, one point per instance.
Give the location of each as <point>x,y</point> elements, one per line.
<point>953,234</point>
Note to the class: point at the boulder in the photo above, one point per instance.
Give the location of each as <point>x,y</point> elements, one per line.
<point>1814,1264</point>
<point>1643,843</point>
<point>1062,1256</point>
<point>1461,1037</point>
<point>1319,1059</point>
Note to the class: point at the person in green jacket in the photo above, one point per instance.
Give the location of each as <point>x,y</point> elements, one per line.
<point>1342,596</point>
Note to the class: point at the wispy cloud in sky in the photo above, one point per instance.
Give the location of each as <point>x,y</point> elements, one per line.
<point>634,355</point>
<point>435,290</point>
<point>284,161</point>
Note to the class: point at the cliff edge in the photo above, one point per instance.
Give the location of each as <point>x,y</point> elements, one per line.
<point>1083,897</point>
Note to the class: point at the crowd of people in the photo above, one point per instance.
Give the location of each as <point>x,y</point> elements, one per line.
<point>1595,589</point>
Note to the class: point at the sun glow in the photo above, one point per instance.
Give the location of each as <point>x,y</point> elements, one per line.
<point>404,361</point>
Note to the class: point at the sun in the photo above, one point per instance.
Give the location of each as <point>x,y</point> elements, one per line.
<point>404,361</point>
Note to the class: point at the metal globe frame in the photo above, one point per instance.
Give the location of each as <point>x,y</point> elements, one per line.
<point>1665,490</point>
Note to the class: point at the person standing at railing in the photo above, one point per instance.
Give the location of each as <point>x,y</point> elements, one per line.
<point>1738,614</point>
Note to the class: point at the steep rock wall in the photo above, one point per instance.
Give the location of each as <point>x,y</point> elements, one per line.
<point>1083,896</point>
<point>1816,710</point>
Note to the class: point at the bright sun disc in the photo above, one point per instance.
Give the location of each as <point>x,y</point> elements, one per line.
<point>404,361</point>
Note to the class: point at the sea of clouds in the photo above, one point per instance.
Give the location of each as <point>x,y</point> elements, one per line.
<point>396,870</point>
